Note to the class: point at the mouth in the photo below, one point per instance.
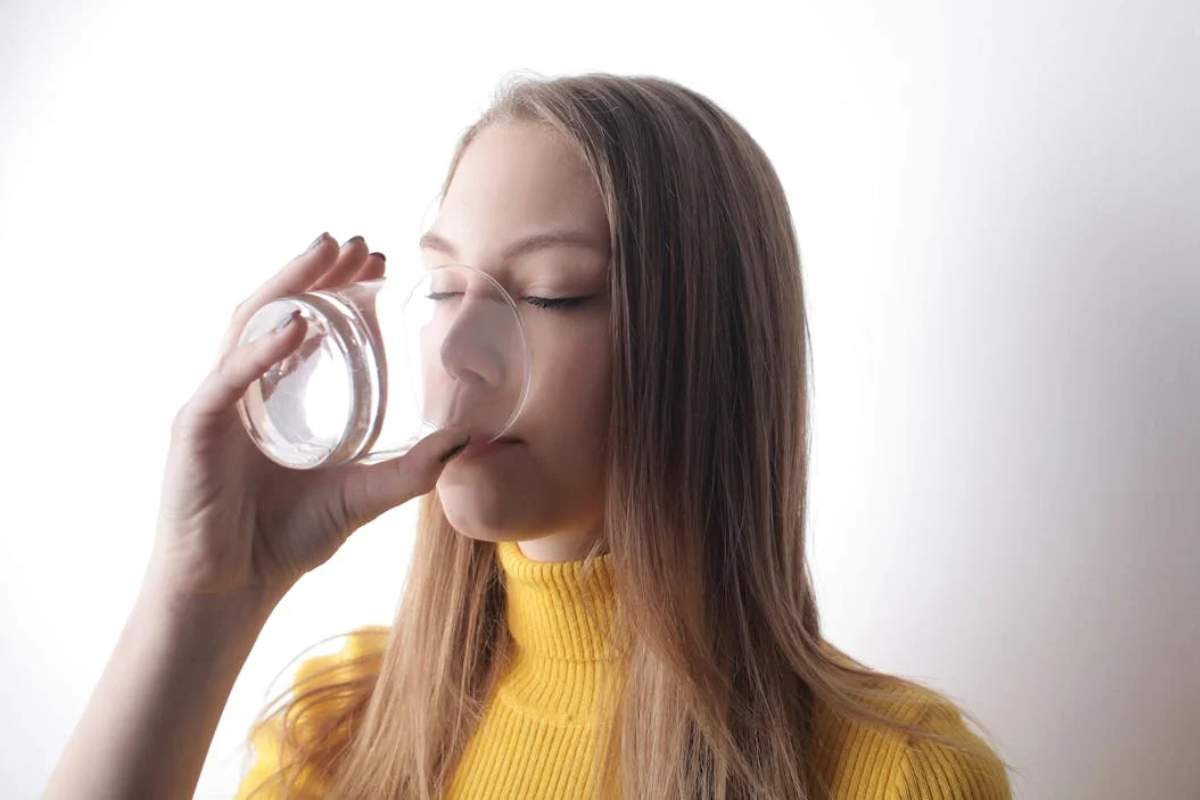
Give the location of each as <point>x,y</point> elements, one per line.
<point>483,448</point>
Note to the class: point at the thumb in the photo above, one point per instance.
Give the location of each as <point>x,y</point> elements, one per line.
<point>371,489</point>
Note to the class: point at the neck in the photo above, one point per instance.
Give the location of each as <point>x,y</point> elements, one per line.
<point>559,609</point>
<point>560,546</point>
<point>560,616</point>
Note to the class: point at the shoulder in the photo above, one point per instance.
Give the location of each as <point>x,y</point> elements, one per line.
<point>929,769</point>
<point>356,657</point>
<point>859,760</point>
<point>361,647</point>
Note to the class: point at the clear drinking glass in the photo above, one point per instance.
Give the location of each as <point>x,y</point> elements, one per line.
<point>385,363</point>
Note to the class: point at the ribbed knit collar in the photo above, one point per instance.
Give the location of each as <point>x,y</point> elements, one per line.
<point>556,609</point>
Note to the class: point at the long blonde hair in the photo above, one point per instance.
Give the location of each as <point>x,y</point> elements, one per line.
<point>707,471</point>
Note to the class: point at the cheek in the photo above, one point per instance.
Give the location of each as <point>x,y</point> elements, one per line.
<point>570,393</point>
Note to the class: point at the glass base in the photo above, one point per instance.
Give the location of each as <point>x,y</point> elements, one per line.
<point>320,406</point>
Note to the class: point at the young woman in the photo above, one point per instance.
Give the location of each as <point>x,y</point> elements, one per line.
<point>617,604</point>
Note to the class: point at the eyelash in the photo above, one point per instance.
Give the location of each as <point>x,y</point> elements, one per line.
<point>559,303</point>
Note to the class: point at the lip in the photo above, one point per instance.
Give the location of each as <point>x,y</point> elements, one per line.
<point>479,449</point>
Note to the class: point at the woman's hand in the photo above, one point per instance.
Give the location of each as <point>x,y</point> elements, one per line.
<point>231,521</point>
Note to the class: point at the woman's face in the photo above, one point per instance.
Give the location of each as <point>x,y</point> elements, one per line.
<point>546,490</point>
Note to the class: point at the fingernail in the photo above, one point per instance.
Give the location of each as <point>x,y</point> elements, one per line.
<point>288,321</point>
<point>449,454</point>
<point>317,241</point>
<point>382,257</point>
<point>351,241</point>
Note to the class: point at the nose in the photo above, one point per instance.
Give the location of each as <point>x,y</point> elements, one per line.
<point>472,351</point>
<point>476,356</point>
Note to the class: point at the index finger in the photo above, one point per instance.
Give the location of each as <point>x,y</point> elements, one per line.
<point>295,277</point>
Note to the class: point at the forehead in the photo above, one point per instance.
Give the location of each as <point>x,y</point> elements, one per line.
<point>515,179</point>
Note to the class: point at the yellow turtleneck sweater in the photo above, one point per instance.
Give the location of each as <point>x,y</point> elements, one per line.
<point>538,732</point>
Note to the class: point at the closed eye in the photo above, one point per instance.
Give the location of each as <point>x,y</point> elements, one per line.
<point>561,303</point>
<point>555,302</point>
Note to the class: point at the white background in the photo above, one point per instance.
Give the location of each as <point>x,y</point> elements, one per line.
<point>997,208</point>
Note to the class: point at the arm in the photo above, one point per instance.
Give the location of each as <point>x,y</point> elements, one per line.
<point>234,531</point>
<point>150,721</point>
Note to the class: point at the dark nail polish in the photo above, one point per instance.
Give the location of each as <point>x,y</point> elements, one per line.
<point>317,241</point>
<point>352,240</point>
<point>382,257</point>
<point>289,320</point>
<point>454,451</point>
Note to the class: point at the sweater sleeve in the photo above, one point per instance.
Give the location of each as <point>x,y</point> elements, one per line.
<point>267,741</point>
<point>931,771</point>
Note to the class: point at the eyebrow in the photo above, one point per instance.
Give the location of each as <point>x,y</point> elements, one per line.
<point>538,241</point>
